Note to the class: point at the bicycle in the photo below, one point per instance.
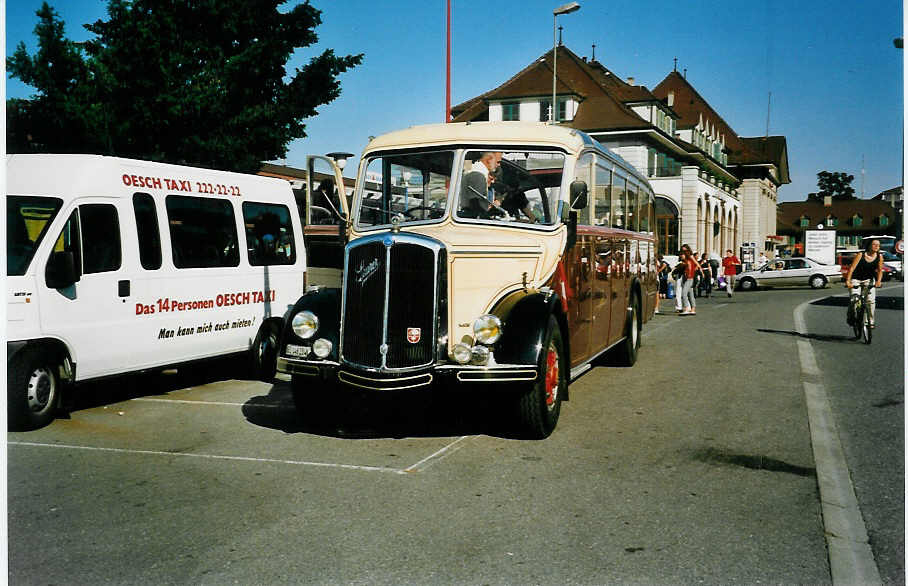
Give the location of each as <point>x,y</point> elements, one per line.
<point>859,316</point>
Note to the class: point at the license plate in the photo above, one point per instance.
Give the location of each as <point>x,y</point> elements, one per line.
<point>296,350</point>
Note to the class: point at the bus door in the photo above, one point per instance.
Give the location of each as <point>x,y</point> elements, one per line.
<point>619,287</point>
<point>604,273</point>
<point>325,221</point>
<point>578,263</point>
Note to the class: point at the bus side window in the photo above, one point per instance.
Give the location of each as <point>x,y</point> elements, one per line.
<point>147,231</point>
<point>584,173</point>
<point>100,228</point>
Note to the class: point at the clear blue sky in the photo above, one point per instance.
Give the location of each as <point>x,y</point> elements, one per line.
<point>834,75</point>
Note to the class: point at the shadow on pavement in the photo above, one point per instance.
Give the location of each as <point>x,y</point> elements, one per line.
<point>821,337</point>
<point>882,302</point>
<point>98,393</point>
<point>401,414</point>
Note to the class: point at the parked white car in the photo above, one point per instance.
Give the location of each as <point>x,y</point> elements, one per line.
<point>780,272</point>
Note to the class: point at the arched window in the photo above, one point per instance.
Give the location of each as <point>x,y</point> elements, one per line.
<point>884,220</point>
<point>666,225</point>
<point>805,221</point>
<point>857,220</point>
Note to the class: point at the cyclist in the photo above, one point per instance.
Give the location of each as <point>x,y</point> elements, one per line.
<point>867,269</point>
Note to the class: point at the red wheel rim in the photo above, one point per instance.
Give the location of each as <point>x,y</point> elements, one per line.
<point>551,376</point>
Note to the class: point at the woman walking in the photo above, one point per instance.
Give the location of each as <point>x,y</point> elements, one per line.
<point>706,283</point>
<point>691,269</point>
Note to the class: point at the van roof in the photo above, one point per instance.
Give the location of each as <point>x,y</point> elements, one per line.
<point>79,175</point>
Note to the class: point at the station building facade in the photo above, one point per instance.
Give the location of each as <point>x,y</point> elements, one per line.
<point>714,189</point>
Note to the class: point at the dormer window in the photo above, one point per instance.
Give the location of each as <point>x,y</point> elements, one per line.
<point>884,220</point>
<point>510,111</point>
<point>857,220</point>
<point>805,221</point>
<point>832,221</point>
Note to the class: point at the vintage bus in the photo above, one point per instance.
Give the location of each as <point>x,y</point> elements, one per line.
<point>506,257</point>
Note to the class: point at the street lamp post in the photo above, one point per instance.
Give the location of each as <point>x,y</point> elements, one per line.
<point>340,159</point>
<point>564,9</point>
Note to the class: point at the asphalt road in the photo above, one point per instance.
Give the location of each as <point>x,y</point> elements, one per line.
<point>694,466</point>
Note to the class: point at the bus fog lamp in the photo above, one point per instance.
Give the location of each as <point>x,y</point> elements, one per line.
<point>322,347</point>
<point>480,355</point>
<point>462,353</point>
<point>487,329</point>
<point>304,324</point>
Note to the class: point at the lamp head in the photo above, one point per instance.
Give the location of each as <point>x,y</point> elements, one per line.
<point>566,8</point>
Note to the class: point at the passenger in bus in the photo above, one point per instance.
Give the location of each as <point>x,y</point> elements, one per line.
<point>477,197</point>
<point>506,184</point>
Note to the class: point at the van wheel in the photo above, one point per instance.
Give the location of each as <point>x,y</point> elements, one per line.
<point>263,359</point>
<point>33,389</point>
<point>626,354</point>
<point>540,406</point>
<point>817,281</point>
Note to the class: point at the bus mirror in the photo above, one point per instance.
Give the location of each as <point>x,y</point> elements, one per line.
<point>61,270</point>
<point>578,195</point>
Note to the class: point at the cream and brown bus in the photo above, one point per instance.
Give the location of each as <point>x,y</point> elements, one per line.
<point>506,257</point>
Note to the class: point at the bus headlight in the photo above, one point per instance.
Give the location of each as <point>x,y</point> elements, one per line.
<point>304,324</point>
<point>487,329</point>
<point>322,347</point>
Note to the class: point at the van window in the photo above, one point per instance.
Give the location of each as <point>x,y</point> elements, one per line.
<point>27,221</point>
<point>269,234</point>
<point>100,238</point>
<point>147,231</point>
<point>202,232</point>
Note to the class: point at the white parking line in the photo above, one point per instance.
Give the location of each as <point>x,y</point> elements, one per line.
<point>214,457</point>
<point>437,456</point>
<point>221,403</point>
<point>850,556</point>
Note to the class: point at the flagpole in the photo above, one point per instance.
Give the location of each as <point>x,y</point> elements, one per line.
<point>448,69</point>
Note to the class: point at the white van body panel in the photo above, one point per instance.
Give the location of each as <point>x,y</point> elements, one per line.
<point>170,315</point>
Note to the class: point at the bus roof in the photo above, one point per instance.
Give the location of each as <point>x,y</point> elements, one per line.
<point>495,133</point>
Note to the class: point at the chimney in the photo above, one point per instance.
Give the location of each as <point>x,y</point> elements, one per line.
<point>671,99</point>
<point>827,201</point>
<point>630,81</point>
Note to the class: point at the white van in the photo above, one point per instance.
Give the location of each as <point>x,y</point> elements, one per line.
<point>117,265</point>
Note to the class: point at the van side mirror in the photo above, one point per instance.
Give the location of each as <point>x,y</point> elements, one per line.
<point>579,198</point>
<point>61,270</point>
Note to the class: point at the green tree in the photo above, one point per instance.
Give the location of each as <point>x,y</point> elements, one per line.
<point>204,82</point>
<point>55,119</point>
<point>838,185</point>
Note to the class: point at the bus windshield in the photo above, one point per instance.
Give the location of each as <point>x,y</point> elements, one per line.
<point>511,186</point>
<point>412,187</point>
<point>27,221</point>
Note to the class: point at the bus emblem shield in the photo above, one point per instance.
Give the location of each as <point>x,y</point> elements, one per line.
<point>413,335</point>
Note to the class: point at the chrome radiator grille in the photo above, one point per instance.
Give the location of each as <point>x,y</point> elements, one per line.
<point>391,302</point>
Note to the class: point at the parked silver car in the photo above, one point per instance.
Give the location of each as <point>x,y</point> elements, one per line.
<point>781,272</point>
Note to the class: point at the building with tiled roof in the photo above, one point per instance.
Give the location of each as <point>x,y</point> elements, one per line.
<point>852,219</point>
<point>714,189</point>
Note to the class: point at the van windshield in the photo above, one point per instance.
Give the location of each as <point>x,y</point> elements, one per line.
<point>27,222</point>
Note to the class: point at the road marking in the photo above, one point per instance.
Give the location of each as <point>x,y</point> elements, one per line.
<point>437,456</point>
<point>850,556</point>
<point>221,403</point>
<point>212,457</point>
